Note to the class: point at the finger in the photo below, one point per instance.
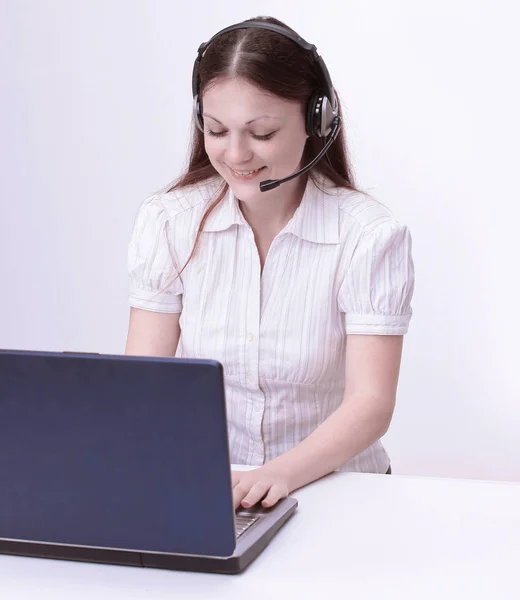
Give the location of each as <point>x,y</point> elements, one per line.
<point>235,478</point>
<point>240,491</point>
<point>255,494</point>
<point>275,494</point>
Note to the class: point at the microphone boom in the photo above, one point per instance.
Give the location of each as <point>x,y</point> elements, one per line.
<point>270,184</point>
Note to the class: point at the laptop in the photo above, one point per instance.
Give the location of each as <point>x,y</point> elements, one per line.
<point>122,460</point>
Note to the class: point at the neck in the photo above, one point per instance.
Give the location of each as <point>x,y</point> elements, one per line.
<point>271,211</point>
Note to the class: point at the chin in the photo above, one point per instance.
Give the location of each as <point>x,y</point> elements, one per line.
<point>245,191</point>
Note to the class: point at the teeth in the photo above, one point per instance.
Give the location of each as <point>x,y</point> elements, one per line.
<point>246,172</point>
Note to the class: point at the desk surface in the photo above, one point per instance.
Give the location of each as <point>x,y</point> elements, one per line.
<point>354,535</point>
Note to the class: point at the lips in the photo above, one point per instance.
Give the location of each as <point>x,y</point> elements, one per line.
<point>243,175</point>
<point>244,172</point>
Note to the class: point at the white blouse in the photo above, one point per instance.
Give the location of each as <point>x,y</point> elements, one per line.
<point>341,266</point>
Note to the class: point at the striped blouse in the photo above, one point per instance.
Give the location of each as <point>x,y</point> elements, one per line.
<point>341,266</point>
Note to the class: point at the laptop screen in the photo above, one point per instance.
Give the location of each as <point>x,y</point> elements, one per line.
<point>115,452</point>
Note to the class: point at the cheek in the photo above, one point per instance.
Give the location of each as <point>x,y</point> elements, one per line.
<point>290,150</point>
<point>214,151</point>
<point>211,146</point>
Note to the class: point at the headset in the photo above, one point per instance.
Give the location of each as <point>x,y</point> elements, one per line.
<point>322,114</point>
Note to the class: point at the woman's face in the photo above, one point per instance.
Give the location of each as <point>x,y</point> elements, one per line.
<point>251,135</point>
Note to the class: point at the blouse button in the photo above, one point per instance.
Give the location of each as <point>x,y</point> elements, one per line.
<point>250,337</point>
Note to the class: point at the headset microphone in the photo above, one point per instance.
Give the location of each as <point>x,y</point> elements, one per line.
<point>270,184</point>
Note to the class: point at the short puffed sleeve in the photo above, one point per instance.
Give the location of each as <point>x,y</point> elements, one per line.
<point>378,287</point>
<point>152,267</point>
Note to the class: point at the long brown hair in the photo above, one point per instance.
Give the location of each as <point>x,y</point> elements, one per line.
<point>279,66</point>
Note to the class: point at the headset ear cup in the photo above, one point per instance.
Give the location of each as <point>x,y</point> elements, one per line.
<point>197,113</point>
<point>327,115</point>
<point>313,110</point>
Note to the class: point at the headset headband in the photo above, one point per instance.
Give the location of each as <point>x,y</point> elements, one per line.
<point>328,88</point>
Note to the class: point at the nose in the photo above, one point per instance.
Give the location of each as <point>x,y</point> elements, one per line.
<point>237,151</point>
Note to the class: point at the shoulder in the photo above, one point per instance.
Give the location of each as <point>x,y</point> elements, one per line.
<point>363,212</point>
<point>356,210</point>
<point>361,216</point>
<point>172,204</point>
<point>362,220</point>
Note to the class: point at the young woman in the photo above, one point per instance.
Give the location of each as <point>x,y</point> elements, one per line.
<point>301,291</point>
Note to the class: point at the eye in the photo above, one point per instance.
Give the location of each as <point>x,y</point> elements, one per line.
<point>216,133</point>
<point>266,137</point>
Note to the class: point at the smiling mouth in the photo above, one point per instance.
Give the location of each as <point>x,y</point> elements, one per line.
<point>245,174</point>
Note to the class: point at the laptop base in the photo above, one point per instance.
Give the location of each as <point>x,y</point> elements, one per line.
<point>178,562</point>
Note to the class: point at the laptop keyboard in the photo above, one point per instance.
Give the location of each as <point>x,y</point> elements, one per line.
<point>243,522</point>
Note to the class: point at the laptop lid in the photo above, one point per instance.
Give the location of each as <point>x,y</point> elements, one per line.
<point>115,452</point>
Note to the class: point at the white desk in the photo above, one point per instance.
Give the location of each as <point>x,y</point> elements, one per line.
<point>354,536</point>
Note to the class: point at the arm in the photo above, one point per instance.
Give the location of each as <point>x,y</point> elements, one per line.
<point>372,371</point>
<point>152,333</point>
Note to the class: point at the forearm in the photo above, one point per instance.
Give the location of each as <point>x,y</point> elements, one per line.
<point>353,427</point>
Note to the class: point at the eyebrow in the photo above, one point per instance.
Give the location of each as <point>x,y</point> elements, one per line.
<point>248,122</point>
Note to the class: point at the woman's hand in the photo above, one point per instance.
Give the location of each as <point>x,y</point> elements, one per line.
<point>264,483</point>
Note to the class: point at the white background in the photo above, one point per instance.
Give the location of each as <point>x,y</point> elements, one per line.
<point>95,110</point>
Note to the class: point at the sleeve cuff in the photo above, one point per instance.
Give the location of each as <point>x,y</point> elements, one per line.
<point>156,302</point>
<point>377,324</point>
